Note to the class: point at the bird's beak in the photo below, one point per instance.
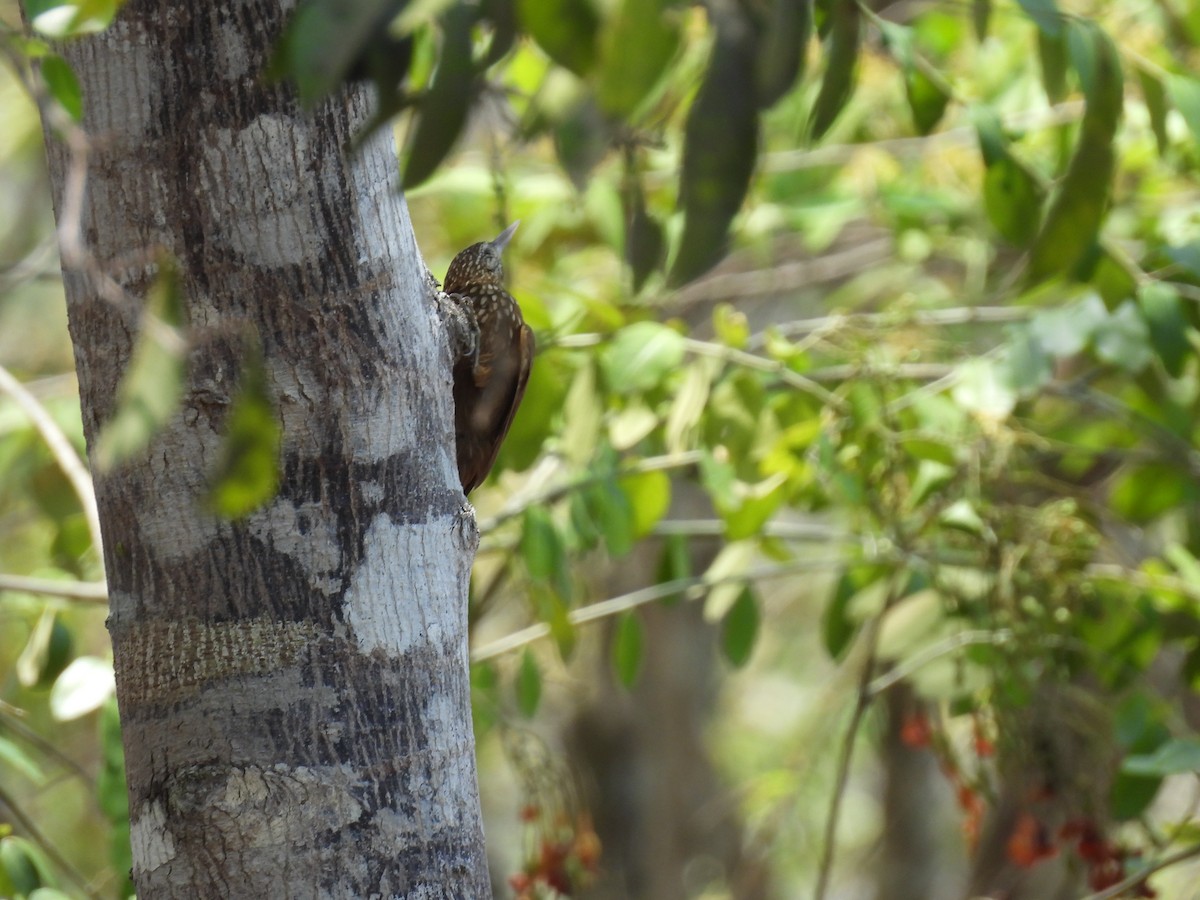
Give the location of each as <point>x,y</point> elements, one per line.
<point>505,236</point>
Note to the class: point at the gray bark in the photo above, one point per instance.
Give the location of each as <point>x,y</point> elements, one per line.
<point>293,686</point>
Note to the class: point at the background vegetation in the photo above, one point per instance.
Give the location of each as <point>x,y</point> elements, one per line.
<point>893,505</point>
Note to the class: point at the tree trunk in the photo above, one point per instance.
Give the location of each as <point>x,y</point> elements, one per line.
<point>293,685</point>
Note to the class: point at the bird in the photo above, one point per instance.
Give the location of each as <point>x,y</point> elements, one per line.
<point>490,379</point>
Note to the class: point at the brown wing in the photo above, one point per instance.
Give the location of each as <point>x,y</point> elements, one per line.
<point>484,411</point>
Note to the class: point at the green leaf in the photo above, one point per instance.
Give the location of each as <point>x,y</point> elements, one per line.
<point>565,29</point>
<point>63,86</point>
<point>1073,220</point>
<point>719,151</point>
<point>927,98</point>
<point>13,757</point>
<point>981,389</point>
<point>23,863</point>
<point>675,565</point>
<point>636,49</point>
<point>841,62</point>
<point>611,510</point>
<point>687,409</point>
<point>1164,315</point>
<point>784,29</point>
<point>1065,331</point>
<point>981,13</point>
<point>740,628</point>
<point>581,140</point>
<point>84,686</point>
<point>1185,95</point>
<point>58,19</point>
<point>541,545</point>
<point>1012,198</point>
<point>1175,757</point>
<point>1124,339</point>
<point>649,495</point>
<point>1155,95</point>
<point>1052,53</point>
<point>529,684</point>
<point>628,648</point>
<point>1143,493</point>
<point>149,393</point>
<point>1045,14</point>
<point>444,108</point>
<point>247,475</point>
<point>323,39</point>
<point>838,625</point>
<point>641,356</point>
<point>645,241</point>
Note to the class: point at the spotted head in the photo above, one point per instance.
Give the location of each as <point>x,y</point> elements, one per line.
<point>479,265</point>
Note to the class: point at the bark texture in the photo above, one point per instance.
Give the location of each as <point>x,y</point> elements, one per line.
<point>293,686</point>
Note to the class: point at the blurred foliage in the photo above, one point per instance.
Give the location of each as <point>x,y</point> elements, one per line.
<point>907,295</point>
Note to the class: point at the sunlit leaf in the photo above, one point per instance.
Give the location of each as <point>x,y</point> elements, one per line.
<point>628,648</point>
<point>927,98</point>
<point>641,356</point>
<point>1184,92</point>
<point>1067,330</point>
<point>1123,339</point>
<point>149,393</point>
<point>1013,200</point>
<point>60,19</point>
<point>84,686</point>
<point>981,389</point>
<point>638,43</point>
<point>649,495</point>
<point>1143,493</point>
<point>247,475</point>
<point>739,630</point>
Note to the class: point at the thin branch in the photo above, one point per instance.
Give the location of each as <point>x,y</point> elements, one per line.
<point>92,591</point>
<point>783,278</point>
<point>649,464</point>
<point>763,364</point>
<point>60,446</point>
<point>688,588</point>
<point>31,831</point>
<point>961,315</point>
<point>919,660</point>
<point>846,753</point>
<point>1142,874</point>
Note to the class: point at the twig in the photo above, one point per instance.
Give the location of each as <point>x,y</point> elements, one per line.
<point>962,315</point>
<point>649,464</point>
<point>763,364</point>
<point>689,588</point>
<point>1142,874</point>
<point>64,454</point>
<point>846,753</point>
<point>918,660</point>
<point>94,591</point>
<point>47,847</point>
